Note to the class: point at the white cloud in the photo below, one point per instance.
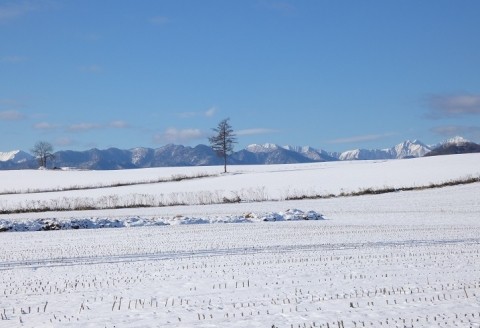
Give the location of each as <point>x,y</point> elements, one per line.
<point>84,127</point>
<point>442,106</point>
<point>210,112</point>
<point>81,127</point>
<point>11,115</point>
<point>118,124</point>
<point>251,132</point>
<point>15,9</point>
<point>178,135</point>
<point>44,126</point>
<point>10,110</point>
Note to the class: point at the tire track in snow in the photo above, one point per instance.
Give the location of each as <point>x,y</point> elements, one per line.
<point>87,260</point>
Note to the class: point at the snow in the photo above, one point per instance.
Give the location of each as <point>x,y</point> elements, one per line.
<point>43,224</point>
<point>401,259</point>
<point>17,156</point>
<point>7,156</point>
<point>456,141</point>
<point>410,149</point>
<point>265,148</point>
<point>250,183</point>
<point>402,150</point>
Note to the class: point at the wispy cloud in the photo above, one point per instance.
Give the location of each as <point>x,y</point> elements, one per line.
<point>45,126</point>
<point>15,9</point>
<point>10,104</point>
<point>11,10</point>
<point>13,59</point>
<point>83,127</point>
<point>90,126</point>
<point>10,110</point>
<point>11,115</point>
<point>119,124</point>
<point>363,138</point>
<point>178,135</point>
<point>449,106</point>
<point>207,113</point>
<point>159,20</point>
<point>470,132</point>
<point>210,112</point>
<point>255,131</point>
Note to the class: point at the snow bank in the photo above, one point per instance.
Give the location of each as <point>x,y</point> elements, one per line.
<point>137,221</point>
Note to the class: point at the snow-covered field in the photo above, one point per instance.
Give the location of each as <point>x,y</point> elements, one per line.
<point>401,259</point>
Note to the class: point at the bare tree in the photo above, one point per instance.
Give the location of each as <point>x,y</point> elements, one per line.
<point>43,151</point>
<point>223,140</point>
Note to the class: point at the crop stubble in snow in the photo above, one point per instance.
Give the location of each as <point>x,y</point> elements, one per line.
<point>404,259</point>
<point>305,274</point>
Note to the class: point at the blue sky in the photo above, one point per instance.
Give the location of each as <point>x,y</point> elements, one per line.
<point>335,75</point>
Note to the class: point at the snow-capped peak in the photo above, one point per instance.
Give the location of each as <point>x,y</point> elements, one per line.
<point>138,154</point>
<point>410,143</point>
<point>265,148</point>
<point>409,148</point>
<point>6,156</point>
<point>15,155</point>
<point>298,149</point>
<point>457,140</point>
<point>402,150</point>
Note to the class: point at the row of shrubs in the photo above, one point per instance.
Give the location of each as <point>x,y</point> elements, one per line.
<point>249,195</point>
<point>173,178</point>
<point>385,190</point>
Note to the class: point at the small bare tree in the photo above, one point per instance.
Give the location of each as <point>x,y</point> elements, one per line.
<point>223,141</point>
<point>43,151</point>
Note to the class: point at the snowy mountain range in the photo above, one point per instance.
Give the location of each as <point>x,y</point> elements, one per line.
<point>16,159</point>
<point>406,149</point>
<point>178,155</point>
<point>17,156</point>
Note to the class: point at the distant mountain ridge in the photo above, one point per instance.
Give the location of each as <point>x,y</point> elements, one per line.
<point>17,156</point>
<point>201,155</point>
<point>406,149</point>
<point>16,159</point>
<point>457,145</point>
